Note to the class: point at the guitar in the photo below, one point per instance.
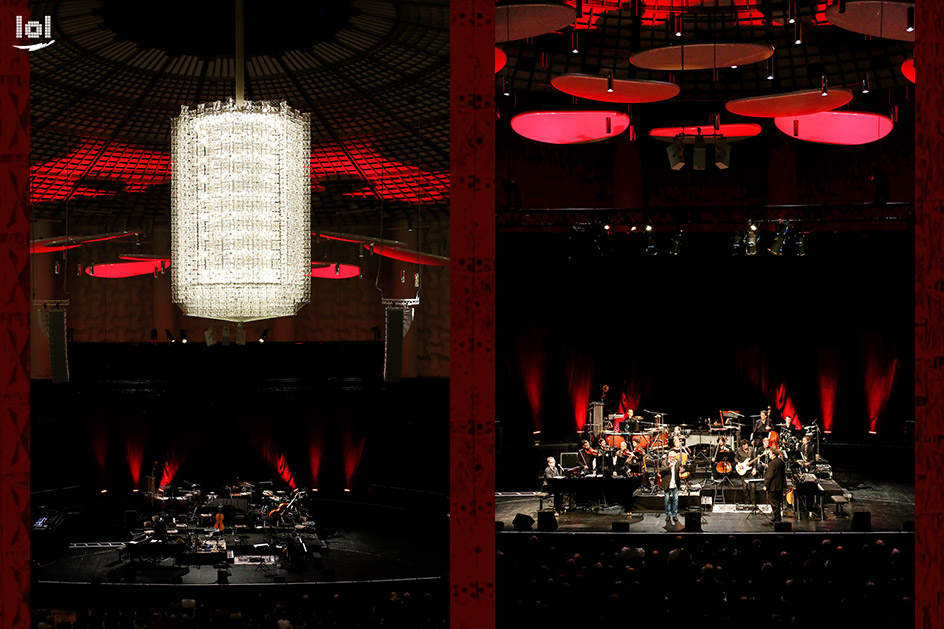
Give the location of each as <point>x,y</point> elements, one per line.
<point>744,466</point>
<point>285,506</point>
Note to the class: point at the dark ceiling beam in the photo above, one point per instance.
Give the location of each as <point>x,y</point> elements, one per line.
<point>414,129</point>
<point>390,69</point>
<point>896,216</point>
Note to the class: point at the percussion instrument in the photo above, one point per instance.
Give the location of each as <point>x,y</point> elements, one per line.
<point>659,439</point>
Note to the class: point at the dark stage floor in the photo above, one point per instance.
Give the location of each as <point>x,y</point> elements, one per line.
<point>890,504</point>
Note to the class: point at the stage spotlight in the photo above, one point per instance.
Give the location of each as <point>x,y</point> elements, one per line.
<point>183,335</point>
<point>676,156</point>
<point>209,336</point>
<point>865,84</point>
<point>606,228</point>
<point>699,153</point>
<point>824,86</point>
<point>770,68</point>
<point>776,247</point>
<point>750,243</point>
<point>649,227</point>
<point>154,335</point>
<point>911,15</point>
<point>265,336</point>
<point>735,243</point>
<point>722,155</point>
<point>801,244</point>
<point>752,225</point>
<point>170,337</point>
<point>609,84</point>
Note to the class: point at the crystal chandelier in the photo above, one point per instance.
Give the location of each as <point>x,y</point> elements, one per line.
<point>240,210</point>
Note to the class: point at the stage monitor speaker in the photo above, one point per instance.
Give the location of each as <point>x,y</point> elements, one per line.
<point>499,525</point>
<point>621,527</point>
<point>523,522</point>
<point>58,356</point>
<point>546,521</point>
<point>693,521</point>
<point>783,527</point>
<point>222,576</point>
<point>393,346</point>
<point>568,459</point>
<point>862,521</point>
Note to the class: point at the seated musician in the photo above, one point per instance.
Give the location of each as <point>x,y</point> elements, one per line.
<point>745,453</point>
<point>625,458</point>
<point>553,470</point>
<point>807,453</point>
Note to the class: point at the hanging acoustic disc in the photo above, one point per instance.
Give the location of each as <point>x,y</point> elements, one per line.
<point>726,132</point>
<point>907,68</point>
<point>837,127</point>
<point>518,21</point>
<point>791,104</point>
<point>624,90</point>
<point>701,56</point>
<point>500,59</point>
<point>878,18</point>
<point>570,127</point>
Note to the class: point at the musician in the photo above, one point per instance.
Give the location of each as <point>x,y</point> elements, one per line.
<point>762,427</point>
<point>624,458</point>
<point>670,486</point>
<point>775,482</point>
<point>807,452</point>
<point>745,453</point>
<point>587,456</point>
<point>553,470</point>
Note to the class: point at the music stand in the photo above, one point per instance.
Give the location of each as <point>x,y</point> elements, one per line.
<point>751,483</point>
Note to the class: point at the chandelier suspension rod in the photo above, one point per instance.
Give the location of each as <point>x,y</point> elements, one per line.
<point>240,57</point>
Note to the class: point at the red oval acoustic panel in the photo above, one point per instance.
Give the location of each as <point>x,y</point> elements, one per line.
<point>730,132</point>
<point>800,103</point>
<point>701,56</point>
<point>570,127</point>
<point>407,255</point>
<point>878,18</point>
<point>907,68</point>
<point>517,21</point>
<point>334,271</point>
<point>837,127</point>
<point>116,270</point>
<point>624,90</point>
<point>500,59</point>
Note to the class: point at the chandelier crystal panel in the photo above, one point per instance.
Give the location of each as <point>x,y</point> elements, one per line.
<point>241,210</point>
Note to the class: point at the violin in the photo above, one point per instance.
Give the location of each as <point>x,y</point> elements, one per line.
<point>589,450</point>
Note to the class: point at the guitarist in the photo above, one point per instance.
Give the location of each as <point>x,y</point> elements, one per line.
<point>745,453</point>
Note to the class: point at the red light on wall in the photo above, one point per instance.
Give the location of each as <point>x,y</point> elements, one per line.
<point>730,132</point>
<point>837,127</point>
<point>569,127</point>
<point>334,271</point>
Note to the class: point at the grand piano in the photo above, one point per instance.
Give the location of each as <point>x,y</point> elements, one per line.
<point>597,489</point>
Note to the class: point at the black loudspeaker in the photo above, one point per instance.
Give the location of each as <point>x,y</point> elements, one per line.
<point>222,576</point>
<point>499,525</point>
<point>693,521</point>
<point>783,527</point>
<point>58,358</point>
<point>523,522</point>
<point>621,527</point>
<point>568,459</point>
<point>393,347</point>
<point>546,521</point>
<point>862,521</point>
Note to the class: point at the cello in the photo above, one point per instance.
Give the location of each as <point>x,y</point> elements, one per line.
<point>218,525</point>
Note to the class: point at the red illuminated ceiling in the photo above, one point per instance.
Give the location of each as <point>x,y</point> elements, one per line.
<point>800,103</point>
<point>837,127</point>
<point>117,270</point>
<point>595,87</point>
<point>702,56</point>
<point>131,169</point>
<point>334,270</point>
<point>500,59</point>
<point>730,132</point>
<point>570,127</point>
<point>907,68</point>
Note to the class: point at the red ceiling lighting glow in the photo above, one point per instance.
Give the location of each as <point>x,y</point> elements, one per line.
<point>657,13</point>
<point>701,56</point>
<point>569,127</point>
<point>334,271</point>
<point>405,255</point>
<point>800,103</point>
<point>907,68</point>
<point>117,270</point>
<point>623,90</point>
<point>837,127</point>
<point>730,132</point>
<point>500,59</point>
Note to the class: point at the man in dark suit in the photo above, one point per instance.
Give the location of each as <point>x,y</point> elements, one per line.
<point>775,482</point>
<point>670,486</point>
<point>553,470</point>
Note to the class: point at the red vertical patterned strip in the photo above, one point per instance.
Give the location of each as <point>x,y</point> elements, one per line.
<point>929,295</point>
<point>14,323</point>
<point>472,315</point>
